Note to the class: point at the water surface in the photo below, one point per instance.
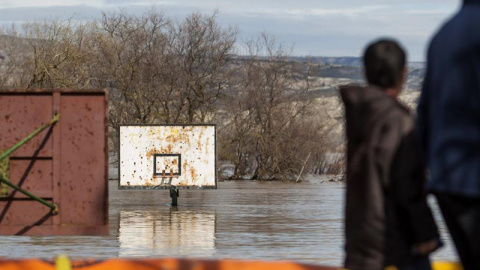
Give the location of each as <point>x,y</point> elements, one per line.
<point>241,219</point>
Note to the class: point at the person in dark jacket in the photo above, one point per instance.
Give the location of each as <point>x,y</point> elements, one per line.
<point>387,219</point>
<point>449,125</point>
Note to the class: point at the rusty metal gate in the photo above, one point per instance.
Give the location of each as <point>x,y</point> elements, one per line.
<point>65,164</point>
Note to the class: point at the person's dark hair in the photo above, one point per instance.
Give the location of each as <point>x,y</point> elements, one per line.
<point>384,61</point>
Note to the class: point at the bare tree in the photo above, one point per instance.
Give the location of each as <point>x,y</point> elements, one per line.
<point>14,53</point>
<point>271,128</point>
<point>199,50</point>
<point>131,49</point>
<point>59,55</point>
<point>183,72</point>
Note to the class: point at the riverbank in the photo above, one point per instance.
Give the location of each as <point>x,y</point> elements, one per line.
<point>308,178</point>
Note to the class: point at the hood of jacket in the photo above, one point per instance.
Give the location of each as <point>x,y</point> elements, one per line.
<point>365,106</point>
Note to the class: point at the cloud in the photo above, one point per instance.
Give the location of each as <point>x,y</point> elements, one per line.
<point>47,3</point>
<point>316,27</point>
<point>426,12</point>
<point>119,3</point>
<point>320,12</point>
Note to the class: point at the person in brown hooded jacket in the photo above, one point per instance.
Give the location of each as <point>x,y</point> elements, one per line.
<point>387,219</point>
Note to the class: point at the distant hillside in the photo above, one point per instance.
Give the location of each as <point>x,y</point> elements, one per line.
<point>348,72</point>
<point>334,70</point>
<point>352,74</point>
<point>341,61</point>
<point>345,61</point>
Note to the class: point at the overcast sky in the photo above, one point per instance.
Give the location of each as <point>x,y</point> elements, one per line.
<point>312,27</point>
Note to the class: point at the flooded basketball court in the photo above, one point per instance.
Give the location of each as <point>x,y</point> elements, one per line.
<point>241,219</point>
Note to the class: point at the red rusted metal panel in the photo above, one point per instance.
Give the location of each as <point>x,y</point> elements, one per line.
<point>32,174</point>
<point>19,115</point>
<point>82,124</point>
<point>23,212</point>
<point>66,164</point>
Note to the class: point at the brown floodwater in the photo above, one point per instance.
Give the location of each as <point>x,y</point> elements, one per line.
<point>241,219</point>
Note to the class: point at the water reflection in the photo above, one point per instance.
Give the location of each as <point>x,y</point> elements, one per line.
<point>172,232</point>
<point>242,219</point>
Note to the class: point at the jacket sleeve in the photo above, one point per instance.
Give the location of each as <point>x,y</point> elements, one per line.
<point>407,188</point>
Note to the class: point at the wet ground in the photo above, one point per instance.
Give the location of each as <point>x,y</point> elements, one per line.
<point>241,219</point>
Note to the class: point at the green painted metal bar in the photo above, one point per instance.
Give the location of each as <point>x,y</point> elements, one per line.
<point>7,153</point>
<point>4,172</point>
<point>52,206</point>
<point>4,155</point>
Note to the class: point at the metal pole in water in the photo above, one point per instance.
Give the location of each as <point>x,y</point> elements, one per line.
<point>174,194</point>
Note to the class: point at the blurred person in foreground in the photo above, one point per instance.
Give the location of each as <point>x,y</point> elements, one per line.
<point>387,219</point>
<point>449,127</point>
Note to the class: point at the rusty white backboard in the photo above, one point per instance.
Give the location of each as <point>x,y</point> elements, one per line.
<point>155,157</point>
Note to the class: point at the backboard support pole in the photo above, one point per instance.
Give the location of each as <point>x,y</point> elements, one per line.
<point>174,194</point>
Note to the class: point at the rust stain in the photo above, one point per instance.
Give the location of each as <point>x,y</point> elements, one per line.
<point>187,140</point>
<point>185,164</point>
<point>173,138</point>
<point>199,144</point>
<point>151,152</point>
<point>206,146</point>
<point>193,173</point>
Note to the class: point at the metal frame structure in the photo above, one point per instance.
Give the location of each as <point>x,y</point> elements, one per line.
<point>65,165</point>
